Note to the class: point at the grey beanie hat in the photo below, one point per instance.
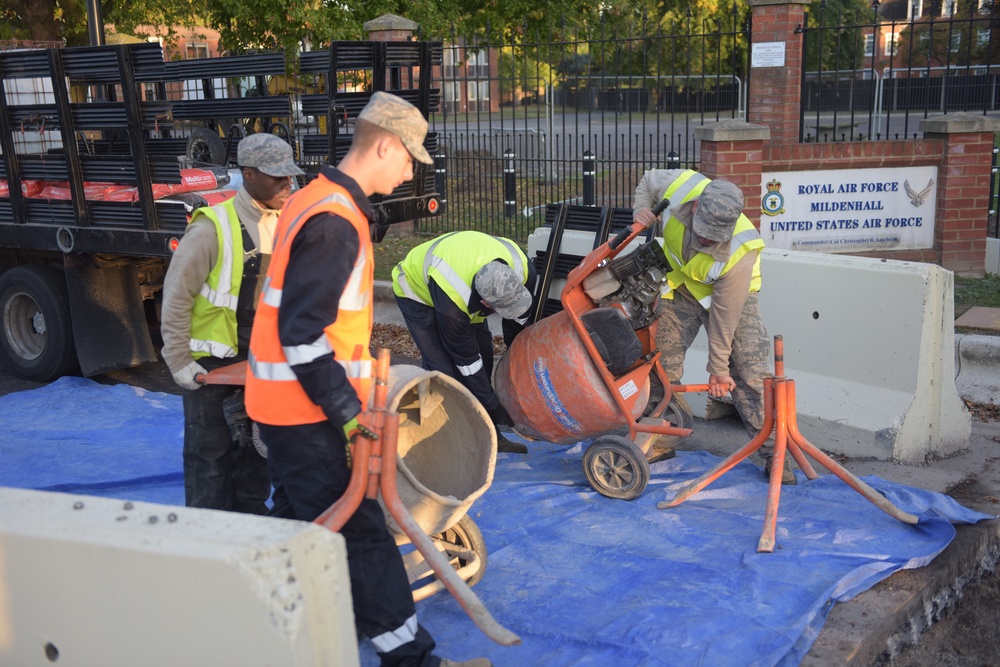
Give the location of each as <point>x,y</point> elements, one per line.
<point>503,290</point>
<point>719,207</point>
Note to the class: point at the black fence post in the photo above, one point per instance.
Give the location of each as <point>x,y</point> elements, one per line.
<point>589,165</point>
<point>509,190</point>
<point>441,181</point>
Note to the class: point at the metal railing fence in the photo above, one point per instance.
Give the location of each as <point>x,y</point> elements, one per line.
<point>577,117</point>
<point>871,78</point>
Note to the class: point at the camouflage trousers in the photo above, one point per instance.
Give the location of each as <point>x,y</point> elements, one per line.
<point>680,320</point>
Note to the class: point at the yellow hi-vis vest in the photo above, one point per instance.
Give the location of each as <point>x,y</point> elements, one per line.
<point>213,319</point>
<point>702,271</point>
<point>453,260</point>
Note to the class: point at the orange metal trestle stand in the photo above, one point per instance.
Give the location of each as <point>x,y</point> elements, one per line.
<point>779,417</point>
<point>373,470</point>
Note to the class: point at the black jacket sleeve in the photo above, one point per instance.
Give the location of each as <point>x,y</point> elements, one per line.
<point>322,258</point>
<point>459,339</point>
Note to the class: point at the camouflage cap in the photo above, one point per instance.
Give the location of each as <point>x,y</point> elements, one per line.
<point>503,290</point>
<point>719,207</point>
<point>268,153</point>
<point>398,116</point>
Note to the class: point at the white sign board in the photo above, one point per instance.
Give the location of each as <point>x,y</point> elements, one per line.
<point>849,210</point>
<point>767,54</point>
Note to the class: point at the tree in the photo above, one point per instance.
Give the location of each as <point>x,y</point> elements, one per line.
<point>967,37</point>
<point>835,41</point>
<point>53,20</point>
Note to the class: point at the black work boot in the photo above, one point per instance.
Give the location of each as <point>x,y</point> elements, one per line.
<point>510,447</point>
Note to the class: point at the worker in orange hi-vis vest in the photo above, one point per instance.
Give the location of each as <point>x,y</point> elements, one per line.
<point>311,368</point>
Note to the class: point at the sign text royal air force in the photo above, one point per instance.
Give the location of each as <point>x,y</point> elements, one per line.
<point>849,210</point>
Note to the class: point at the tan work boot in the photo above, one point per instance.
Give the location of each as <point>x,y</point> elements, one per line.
<point>510,447</point>
<point>475,662</point>
<point>787,476</point>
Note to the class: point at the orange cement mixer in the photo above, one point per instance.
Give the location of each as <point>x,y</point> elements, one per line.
<point>585,372</point>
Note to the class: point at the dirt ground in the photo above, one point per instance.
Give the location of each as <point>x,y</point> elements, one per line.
<point>968,636</point>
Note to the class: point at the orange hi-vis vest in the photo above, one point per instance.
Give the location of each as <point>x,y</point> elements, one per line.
<point>273,393</point>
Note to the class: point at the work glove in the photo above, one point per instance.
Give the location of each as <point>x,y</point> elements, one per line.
<point>185,377</point>
<point>500,416</point>
<point>359,424</point>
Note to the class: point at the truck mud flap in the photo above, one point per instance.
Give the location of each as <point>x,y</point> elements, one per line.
<point>109,322</point>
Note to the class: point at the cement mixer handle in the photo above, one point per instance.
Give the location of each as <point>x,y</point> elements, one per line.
<point>624,234</point>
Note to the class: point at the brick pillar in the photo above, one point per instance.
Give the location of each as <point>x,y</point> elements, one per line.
<point>963,189</point>
<point>734,150</point>
<point>390,28</point>
<point>775,92</point>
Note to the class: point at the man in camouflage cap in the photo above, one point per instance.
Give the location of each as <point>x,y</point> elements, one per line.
<point>219,262</point>
<point>445,289</point>
<point>310,366</point>
<point>714,252</point>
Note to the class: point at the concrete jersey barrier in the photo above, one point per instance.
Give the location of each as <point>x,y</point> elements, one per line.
<point>868,342</point>
<point>96,581</point>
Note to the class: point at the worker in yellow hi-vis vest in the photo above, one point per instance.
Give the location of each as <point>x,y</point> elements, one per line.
<point>714,252</point>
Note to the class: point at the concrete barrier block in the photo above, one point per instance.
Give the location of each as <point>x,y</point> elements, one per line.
<point>93,581</point>
<point>977,358</point>
<point>868,343</point>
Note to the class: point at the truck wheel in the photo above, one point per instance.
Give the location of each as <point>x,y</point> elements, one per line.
<point>206,146</point>
<point>36,340</point>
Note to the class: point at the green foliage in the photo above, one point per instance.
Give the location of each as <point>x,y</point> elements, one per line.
<point>839,45</point>
<point>520,69</point>
<point>971,292</point>
<point>968,38</point>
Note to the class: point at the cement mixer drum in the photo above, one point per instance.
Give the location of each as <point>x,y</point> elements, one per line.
<point>548,383</point>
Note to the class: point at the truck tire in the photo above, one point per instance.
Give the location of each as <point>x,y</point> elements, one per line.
<point>207,147</point>
<point>36,337</point>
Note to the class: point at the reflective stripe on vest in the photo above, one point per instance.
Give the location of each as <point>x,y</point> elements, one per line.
<point>458,288</point>
<point>703,271</point>
<point>686,187</point>
<point>213,317</point>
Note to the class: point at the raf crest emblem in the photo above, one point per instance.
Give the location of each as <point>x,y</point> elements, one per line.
<point>917,198</point>
<point>773,202</point>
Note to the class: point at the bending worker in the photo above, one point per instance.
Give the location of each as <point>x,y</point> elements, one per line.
<point>209,296</point>
<point>714,252</point>
<point>311,367</point>
<point>445,288</point>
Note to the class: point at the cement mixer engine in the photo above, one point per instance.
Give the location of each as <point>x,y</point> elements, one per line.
<point>631,283</point>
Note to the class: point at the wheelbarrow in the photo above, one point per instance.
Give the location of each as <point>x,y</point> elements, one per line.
<point>585,372</point>
<point>446,449</point>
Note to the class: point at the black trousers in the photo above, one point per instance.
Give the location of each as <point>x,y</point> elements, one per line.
<point>308,465</point>
<point>218,472</point>
<point>422,323</point>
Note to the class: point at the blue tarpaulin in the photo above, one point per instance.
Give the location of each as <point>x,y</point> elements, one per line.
<point>583,579</point>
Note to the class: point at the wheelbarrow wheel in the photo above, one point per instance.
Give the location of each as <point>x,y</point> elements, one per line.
<point>466,535</point>
<point>616,467</point>
<point>679,414</point>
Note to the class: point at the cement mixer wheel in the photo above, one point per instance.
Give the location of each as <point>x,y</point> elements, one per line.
<point>465,534</point>
<point>616,467</point>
